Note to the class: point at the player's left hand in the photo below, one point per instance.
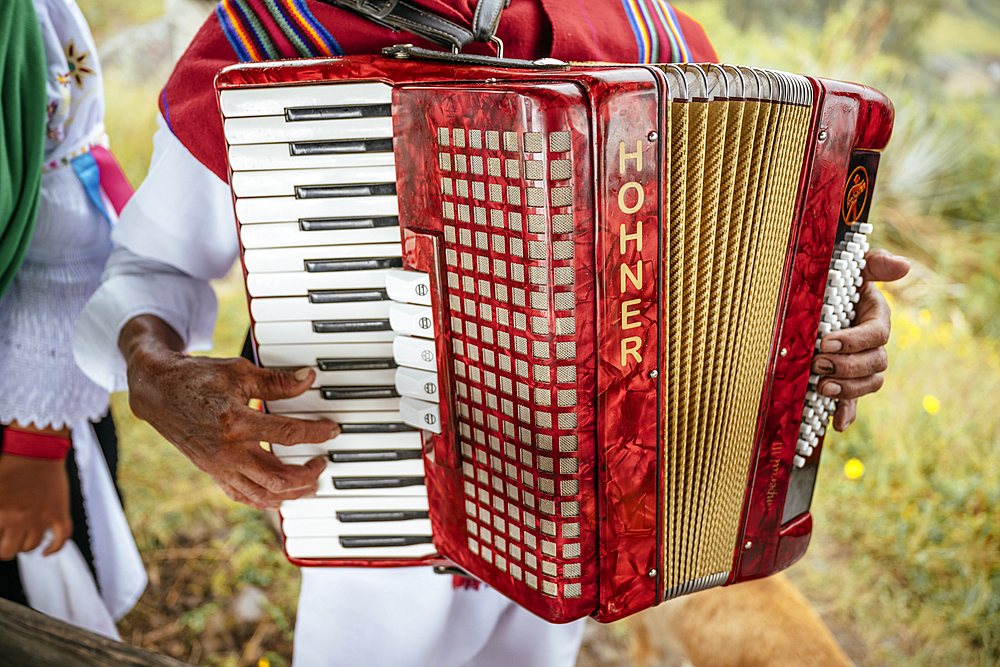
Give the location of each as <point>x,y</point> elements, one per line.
<point>851,361</point>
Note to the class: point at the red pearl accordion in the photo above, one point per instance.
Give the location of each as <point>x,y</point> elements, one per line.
<point>614,277</point>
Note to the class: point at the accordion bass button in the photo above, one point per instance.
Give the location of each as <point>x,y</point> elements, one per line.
<point>420,414</point>
<point>413,320</point>
<point>408,287</point>
<point>414,353</point>
<point>417,384</point>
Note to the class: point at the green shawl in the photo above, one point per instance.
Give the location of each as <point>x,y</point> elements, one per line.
<point>22,131</point>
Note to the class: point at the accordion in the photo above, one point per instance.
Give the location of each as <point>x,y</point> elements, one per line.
<point>565,314</point>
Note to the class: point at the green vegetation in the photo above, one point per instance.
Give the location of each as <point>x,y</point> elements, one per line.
<point>906,560</point>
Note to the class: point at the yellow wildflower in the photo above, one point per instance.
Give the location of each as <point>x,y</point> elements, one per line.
<point>924,317</point>
<point>264,662</point>
<point>931,404</point>
<point>854,469</point>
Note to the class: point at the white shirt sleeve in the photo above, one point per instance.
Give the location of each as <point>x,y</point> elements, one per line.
<point>176,233</point>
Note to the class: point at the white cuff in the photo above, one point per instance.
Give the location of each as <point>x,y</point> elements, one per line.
<point>186,304</point>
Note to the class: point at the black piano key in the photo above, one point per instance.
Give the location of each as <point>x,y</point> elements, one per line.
<point>353,264</point>
<point>347,295</point>
<point>356,364</point>
<point>370,541</point>
<point>340,147</point>
<point>350,326</point>
<point>338,113</point>
<point>333,191</point>
<point>349,393</point>
<point>353,483</point>
<point>333,224</point>
<point>365,516</point>
<point>374,455</point>
<point>377,427</point>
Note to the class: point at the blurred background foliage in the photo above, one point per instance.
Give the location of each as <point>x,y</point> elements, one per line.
<point>905,564</point>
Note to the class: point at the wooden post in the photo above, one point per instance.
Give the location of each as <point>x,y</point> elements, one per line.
<point>31,639</point>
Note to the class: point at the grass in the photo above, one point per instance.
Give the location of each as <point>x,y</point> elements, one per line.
<point>906,559</point>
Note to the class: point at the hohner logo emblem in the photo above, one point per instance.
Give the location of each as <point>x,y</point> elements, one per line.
<point>631,197</point>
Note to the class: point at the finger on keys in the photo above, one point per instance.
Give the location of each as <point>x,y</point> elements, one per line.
<point>280,479</point>
<point>269,384</point>
<point>871,326</point>
<point>282,430</point>
<point>857,365</point>
<point>847,412</point>
<point>882,266</point>
<point>850,388</point>
<point>238,496</point>
<point>264,486</point>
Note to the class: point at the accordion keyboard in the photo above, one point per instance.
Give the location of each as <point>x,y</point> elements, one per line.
<point>315,198</point>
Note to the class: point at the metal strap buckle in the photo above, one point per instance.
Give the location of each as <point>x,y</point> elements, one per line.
<point>376,8</point>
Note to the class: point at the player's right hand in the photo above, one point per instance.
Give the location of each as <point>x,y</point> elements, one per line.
<point>200,404</point>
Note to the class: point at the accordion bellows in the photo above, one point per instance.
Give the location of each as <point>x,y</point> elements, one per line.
<point>624,269</point>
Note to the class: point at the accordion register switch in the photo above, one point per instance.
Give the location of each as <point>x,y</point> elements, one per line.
<point>564,313</point>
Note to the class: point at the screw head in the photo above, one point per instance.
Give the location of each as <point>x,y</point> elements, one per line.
<point>784,352</point>
<point>822,135</point>
<point>651,574</point>
<point>748,545</point>
<point>654,374</point>
<point>652,136</point>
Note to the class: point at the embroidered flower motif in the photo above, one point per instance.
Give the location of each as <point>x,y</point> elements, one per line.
<point>63,79</point>
<point>51,107</point>
<point>78,69</point>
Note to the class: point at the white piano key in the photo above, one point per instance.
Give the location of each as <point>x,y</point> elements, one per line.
<point>282,182</point>
<point>409,287</point>
<point>328,507</point>
<point>285,333</point>
<point>331,526</point>
<point>329,547</point>
<point>297,356</point>
<point>294,258</point>
<point>404,468</point>
<point>249,157</point>
<point>287,234</point>
<point>273,100</point>
<point>411,486</point>
<point>415,352</point>
<point>417,384</point>
<point>354,378</point>
<point>420,414</point>
<point>299,283</point>
<point>342,417</point>
<point>347,441</point>
<point>253,210</point>
<point>312,401</point>
<point>276,129</point>
<point>278,309</point>
<point>407,318</point>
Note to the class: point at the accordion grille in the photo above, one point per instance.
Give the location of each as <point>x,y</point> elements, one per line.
<point>516,357</point>
<point>734,168</point>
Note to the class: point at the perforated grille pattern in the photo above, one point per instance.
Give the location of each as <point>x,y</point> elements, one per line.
<point>516,397</point>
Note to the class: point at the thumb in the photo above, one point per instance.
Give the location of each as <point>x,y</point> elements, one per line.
<point>882,266</point>
<point>269,384</point>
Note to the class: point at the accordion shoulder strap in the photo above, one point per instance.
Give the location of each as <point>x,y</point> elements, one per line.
<point>408,16</point>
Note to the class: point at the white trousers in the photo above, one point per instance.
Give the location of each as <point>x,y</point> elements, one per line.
<point>412,617</point>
